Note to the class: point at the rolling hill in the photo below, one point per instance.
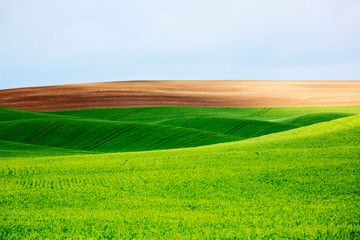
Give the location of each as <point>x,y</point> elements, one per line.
<point>301,183</point>
<point>181,160</point>
<point>144,129</point>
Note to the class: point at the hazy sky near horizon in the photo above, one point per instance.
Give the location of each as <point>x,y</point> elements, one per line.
<point>45,42</point>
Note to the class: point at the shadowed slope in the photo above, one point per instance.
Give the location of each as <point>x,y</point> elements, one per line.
<point>105,136</point>
<point>10,149</point>
<point>308,119</point>
<point>155,114</point>
<point>246,128</point>
<point>142,129</point>
<point>243,122</point>
<point>342,132</point>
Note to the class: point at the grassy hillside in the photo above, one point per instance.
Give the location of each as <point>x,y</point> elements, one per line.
<point>14,149</point>
<point>308,119</point>
<point>299,180</point>
<point>143,129</point>
<point>230,126</point>
<point>154,114</point>
<point>8,114</point>
<point>298,184</point>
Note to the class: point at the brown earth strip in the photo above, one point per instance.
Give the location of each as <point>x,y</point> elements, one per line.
<point>199,93</point>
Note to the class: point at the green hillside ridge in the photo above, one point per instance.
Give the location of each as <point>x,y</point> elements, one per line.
<point>308,119</point>
<point>105,136</point>
<point>343,132</point>
<point>154,114</point>
<point>298,184</point>
<point>9,114</point>
<point>143,129</point>
<point>230,126</point>
<point>243,122</point>
<point>10,149</point>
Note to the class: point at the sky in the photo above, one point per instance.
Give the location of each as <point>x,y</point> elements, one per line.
<point>48,42</point>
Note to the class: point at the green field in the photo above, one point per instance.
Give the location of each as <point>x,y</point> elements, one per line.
<point>180,173</point>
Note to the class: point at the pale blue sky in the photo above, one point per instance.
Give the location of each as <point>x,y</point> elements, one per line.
<point>48,42</point>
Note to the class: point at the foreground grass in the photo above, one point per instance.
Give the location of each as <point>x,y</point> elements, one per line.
<point>298,184</point>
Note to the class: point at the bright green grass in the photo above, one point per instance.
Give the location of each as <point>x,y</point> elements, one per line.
<point>297,184</point>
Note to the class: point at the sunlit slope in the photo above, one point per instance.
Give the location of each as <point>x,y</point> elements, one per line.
<point>105,136</point>
<point>298,184</point>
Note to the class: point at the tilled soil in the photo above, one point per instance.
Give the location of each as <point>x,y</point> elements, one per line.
<point>199,93</point>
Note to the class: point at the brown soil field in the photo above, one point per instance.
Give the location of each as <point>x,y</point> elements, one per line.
<point>197,93</point>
